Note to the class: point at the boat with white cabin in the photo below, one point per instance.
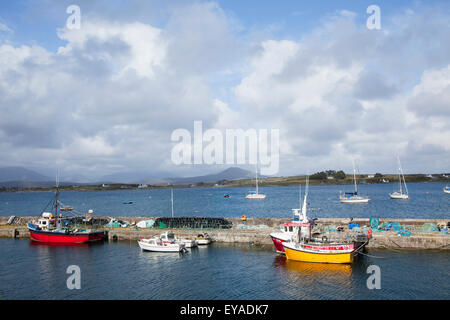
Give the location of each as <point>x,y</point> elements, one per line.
<point>169,237</point>
<point>291,228</point>
<point>446,189</point>
<point>157,245</point>
<point>203,239</point>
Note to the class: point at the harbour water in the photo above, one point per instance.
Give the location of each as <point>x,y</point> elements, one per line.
<point>120,270</point>
<point>427,201</point>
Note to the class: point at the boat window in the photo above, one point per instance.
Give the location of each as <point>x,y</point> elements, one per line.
<point>291,229</point>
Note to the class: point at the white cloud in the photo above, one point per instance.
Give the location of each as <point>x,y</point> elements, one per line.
<point>110,97</point>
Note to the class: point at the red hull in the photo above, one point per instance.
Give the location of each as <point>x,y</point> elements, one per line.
<point>63,238</point>
<point>278,243</point>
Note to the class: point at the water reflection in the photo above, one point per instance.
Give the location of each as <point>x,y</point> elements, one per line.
<point>303,279</point>
<point>330,270</point>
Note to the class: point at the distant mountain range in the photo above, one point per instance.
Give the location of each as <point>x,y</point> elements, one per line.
<point>21,174</point>
<point>25,178</point>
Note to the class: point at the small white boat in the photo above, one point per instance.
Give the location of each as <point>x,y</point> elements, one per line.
<point>157,245</point>
<point>168,237</point>
<point>447,189</point>
<point>353,197</point>
<point>255,194</point>
<point>203,239</point>
<point>399,195</point>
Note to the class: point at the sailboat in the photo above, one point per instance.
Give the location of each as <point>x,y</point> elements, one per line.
<point>255,194</point>
<point>353,197</point>
<point>399,195</point>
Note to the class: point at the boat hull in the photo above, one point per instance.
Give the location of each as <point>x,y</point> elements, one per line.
<point>299,254</point>
<point>399,196</point>
<point>350,200</point>
<point>255,196</point>
<point>446,190</point>
<point>60,237</point>
<point>157,248</point>
<point>278,239</point>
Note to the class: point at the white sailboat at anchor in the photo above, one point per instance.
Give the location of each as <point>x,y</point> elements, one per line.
<point>353,197</point>
<point>399,195</point>
<point>255,194</point>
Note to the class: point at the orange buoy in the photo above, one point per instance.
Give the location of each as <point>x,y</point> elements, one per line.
<point>243,218</point>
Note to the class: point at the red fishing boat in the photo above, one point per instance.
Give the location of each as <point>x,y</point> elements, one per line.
<point>52,227</point>
<point>300,221</point>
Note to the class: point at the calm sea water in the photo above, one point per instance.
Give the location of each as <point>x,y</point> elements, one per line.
<point>122,271</point>
<point>427,201</point>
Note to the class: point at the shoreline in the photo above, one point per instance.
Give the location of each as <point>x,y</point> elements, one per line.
<point>233,184</point>
<point>256,231</point>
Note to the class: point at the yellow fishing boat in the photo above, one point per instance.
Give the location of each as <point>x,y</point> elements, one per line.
<point>302,247</point>
<point>325,253</point>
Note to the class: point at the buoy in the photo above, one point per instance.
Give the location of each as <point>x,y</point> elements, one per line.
<point>243,218</point>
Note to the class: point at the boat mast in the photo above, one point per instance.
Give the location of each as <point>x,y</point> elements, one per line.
<point>304,217</point>
<point>56,198</point>
<point>354,177</point>
<point>171,200</point>
<point>402,175</point>
<point>399,174</point>
<point>256,178</point>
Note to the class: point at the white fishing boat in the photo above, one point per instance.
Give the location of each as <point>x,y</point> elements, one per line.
<point>157,245</point>
<point>169,237</point>
<point>203,239</point>
<point>255,194</point>
<point>399,195</point>
<point>353,197</point>
<point>447,189</point>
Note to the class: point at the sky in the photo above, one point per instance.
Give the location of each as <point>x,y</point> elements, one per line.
<point>106,98</point>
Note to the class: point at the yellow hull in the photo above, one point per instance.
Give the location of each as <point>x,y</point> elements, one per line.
<point>298,255</point>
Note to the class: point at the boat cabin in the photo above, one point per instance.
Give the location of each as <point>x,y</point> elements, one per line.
<point>47,221</point>
<point>167,237</point>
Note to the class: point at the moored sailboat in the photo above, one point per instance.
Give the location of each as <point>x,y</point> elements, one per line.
<point>255,194</point>
<point>353,197</point>
<point>399,195</point>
